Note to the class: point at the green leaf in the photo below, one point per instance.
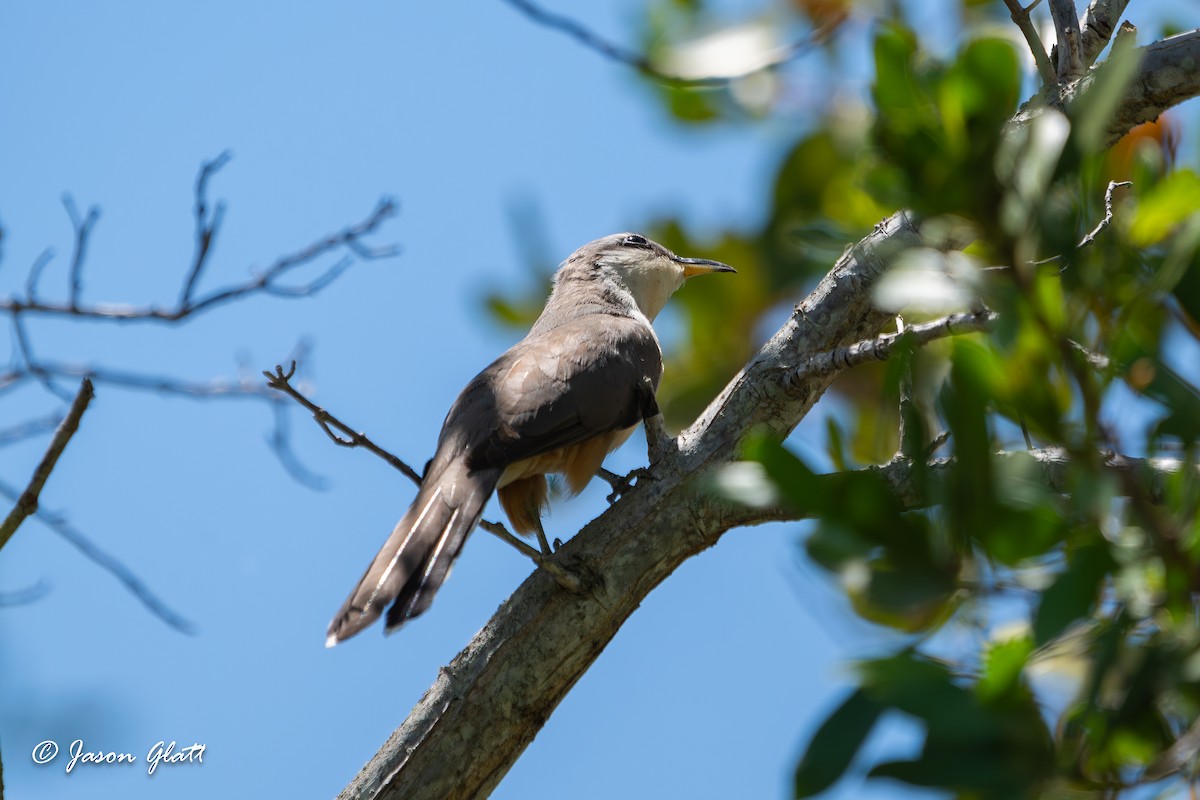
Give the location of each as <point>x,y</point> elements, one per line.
<point>926,689</point>
<point>1002,665</point>
<point>1164,207</point>
<point>1073,593</point>
<point>835,744</point>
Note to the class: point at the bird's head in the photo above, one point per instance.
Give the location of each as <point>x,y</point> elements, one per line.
<point>649,272</point>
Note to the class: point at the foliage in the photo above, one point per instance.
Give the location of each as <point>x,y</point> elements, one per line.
<point>1082,666</point>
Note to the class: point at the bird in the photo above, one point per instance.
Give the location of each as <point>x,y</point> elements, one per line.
<point>558,401</point>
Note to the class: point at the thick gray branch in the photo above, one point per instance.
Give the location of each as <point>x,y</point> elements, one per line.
<point>1168,74</point>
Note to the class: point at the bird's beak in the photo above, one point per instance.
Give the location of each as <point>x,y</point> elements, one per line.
<point>701,266</point>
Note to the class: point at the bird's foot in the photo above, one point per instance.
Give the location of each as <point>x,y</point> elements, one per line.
<point>621,484</point>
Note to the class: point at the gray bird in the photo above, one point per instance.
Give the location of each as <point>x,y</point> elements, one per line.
<point>558,401</point>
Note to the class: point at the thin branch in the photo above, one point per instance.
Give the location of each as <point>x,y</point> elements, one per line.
<point>1108,213</point>
<point>280,442</point>
<point>32,367</point>
<point>218,387</point>
<point>1100,226</point>
<point>83,229</point>
<point>206,226</point>
<point>30,594</point>
<point>589,39</point>
<point>880,347</point>
<point>1099,21</point>
<point>1020,15</point>
<point>27,501</point>
<point>266,282</point>
<point>279,381</point>
<point>29,429</point>
<point>35,273</point>
<point>57,523</point>
<point>908,418</point>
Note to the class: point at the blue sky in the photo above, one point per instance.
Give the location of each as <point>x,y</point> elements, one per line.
<point>462,114</point>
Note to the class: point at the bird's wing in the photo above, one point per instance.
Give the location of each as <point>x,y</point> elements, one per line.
<point>566,385</point>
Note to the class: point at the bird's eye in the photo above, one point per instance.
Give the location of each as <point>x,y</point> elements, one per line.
<point>636,240</point>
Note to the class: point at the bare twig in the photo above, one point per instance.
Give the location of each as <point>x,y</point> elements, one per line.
<point>230,388</point>
<point>35,273</point>
<point>30,594</point>
<point>1020,15</point>
<point>29,429</point>
<point>279,381</point>
<point>57,523</point>
<point>589,39</point>
<point>266,282</point>
<point>1100,226</point>
<point>880,348</point>
<point>206,225</point>
<point>27,501</point>
<point>83,229</point>
<point>1108,213</point>
<point>909,446</point>
<point>32,368</point>
<point>280,442</point>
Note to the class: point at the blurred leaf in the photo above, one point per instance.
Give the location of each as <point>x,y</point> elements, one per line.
<point>926,689</point>
<point>1002,665</point>
<point>1163,207</point>
<point>835,744</point>
<point>1074,593</point>
<point>1093,110</point>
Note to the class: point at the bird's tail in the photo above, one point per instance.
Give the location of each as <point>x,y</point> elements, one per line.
<point>417,557</point>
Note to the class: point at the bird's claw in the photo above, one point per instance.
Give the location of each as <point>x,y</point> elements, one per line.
<point>621,484</point>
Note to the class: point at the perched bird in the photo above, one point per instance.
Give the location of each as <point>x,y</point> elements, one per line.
<point>558,401</point>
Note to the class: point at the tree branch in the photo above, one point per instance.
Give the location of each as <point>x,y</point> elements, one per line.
<point>206,225</point>
<point>879,348</point>
<point>1098,24</point>
<point>1020,15</point>
<point>266,282</point>
<point>27,502</point>
<point>1168,74</point>
<point>83,229</point>
<point>279,381</point>
<point>29,429</point>
<point>589,39</point>
<point>92,552</point>
<point>1070,64</point>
